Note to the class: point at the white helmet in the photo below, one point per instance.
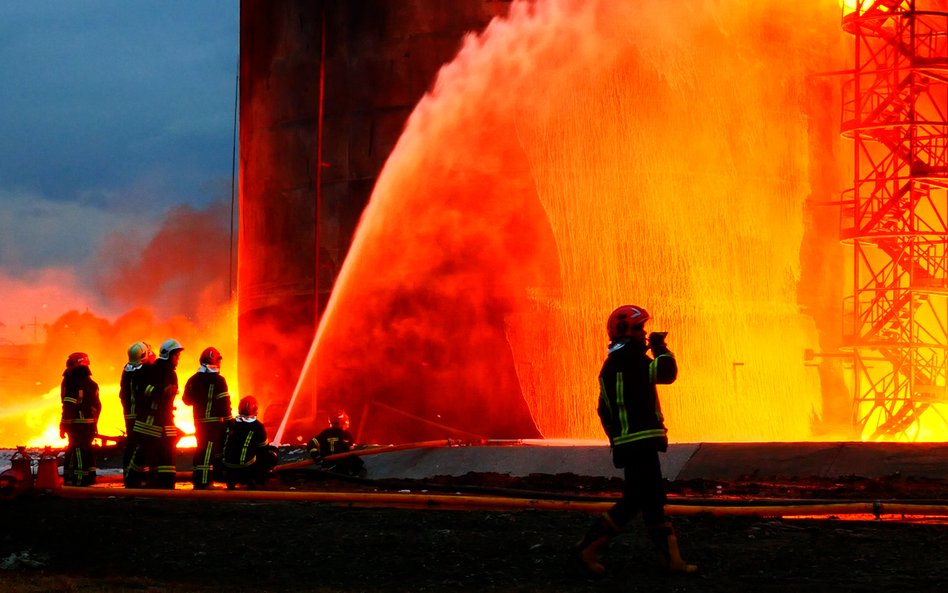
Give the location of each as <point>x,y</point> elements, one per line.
<point>168,347</point>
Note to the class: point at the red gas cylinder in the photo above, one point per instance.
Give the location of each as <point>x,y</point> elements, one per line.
<point>47,471</point>
<point>17,480</point>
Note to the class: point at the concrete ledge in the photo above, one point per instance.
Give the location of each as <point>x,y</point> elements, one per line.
<point>688,461</point>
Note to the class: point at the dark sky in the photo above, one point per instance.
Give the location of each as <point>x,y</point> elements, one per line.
<point>113,112</point>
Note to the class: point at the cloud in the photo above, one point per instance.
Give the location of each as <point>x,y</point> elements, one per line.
<point>181,269</point>
<point>37,298</point>
<point>97,93</point>
<point>37,232</point>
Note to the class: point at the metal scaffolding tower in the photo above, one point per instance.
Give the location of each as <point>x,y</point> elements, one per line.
<point>896,215</point>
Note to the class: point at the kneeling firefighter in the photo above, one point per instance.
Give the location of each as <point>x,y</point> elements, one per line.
<point>632,418</point>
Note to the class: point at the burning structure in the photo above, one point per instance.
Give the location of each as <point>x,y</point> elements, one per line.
<point>457,195</point>
<point>573,156</point>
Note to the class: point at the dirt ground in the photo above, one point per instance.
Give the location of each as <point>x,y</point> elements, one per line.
<point>148,545</point>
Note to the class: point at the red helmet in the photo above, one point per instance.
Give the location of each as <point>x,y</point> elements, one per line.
<point>623,319</point>
<point>150,355</point>
<point>247,406</point>
<point>77,359</point>
<point>211,357</point>
<point>339,420</point>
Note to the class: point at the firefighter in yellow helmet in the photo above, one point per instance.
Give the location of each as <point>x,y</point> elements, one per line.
<point>131,387</point>
<point>632,418</point>
<point>80,416</point>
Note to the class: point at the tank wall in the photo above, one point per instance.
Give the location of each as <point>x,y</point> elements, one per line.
<point>380,57</point>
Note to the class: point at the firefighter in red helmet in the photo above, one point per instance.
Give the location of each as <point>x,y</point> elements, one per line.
<point>248,455</point>
<point>334,440</point>
<point>80,416</point>
<point>632,418</point>
<point>206,393</point>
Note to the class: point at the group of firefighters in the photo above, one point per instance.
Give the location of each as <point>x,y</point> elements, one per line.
<point>628,408</point>
<point>235,450</point>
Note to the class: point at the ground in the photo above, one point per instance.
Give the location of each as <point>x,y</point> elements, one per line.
<point>145,544</point>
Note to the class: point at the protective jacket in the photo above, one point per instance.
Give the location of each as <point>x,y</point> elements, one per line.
<point>330,441</point>
<point>244,436</point>
<point>206,392</point>
<point>154,414</point>
<point>131,387</point>
<point>629,408</point>
<point>80,416</point>
<point>80,398</point>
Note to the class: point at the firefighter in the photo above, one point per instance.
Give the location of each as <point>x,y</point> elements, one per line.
<point>155,433</point>
<point>333,440</point>
<point>631,415</point>
<point>131,386</point>
<point>206,393</point>
<point>80,417</point>
<point>248,455</point>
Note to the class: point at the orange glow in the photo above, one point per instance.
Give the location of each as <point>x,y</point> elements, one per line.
<point>30,391</point>
<point>581,155</point>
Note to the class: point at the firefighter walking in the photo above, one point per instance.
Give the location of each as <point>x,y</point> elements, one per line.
<point>632,418</point>
<point>80,417</point>
<point>206,393</point>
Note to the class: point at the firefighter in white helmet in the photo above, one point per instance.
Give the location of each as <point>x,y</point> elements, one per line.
<point>632,418</point>
<point>154,458</point>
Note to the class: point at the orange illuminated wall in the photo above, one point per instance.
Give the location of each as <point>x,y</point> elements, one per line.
<point>375,58</point>
<point>579,155</point>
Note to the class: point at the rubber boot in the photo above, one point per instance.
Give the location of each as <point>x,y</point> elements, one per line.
<point>595,541</point>
<point>670,560</point>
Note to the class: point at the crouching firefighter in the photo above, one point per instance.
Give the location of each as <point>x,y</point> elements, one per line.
<point>632,418</point>
<point>248,455</point>
<point>332,441</point>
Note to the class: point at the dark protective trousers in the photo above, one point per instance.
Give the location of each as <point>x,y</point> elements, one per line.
<point>207,453</point>
<point>153,462</point>
<point>79,466</point>
<point>643,490</point>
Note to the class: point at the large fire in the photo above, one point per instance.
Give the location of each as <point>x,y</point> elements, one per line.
<point>33,386</point>
<point>580,155</point>
<point>175,288</point>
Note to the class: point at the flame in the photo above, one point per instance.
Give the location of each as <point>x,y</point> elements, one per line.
<point>581,155</point>
<point>32,417</point>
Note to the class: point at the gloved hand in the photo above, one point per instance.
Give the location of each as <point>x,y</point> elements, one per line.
<point>656,341</point>
<point>62,431</point>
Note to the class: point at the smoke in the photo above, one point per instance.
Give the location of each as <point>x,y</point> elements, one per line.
<point>573,157</point>
<point>181,270</point>
<point>172,284</point>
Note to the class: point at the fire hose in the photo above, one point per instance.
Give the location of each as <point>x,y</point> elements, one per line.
<point>515,499</point>
<point>748,508</point>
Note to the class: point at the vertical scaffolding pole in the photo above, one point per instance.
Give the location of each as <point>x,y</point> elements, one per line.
<point>895,216</point>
